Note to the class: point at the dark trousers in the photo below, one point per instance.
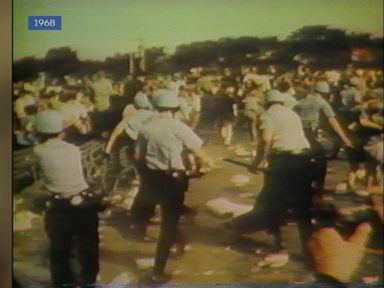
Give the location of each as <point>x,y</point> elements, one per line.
<point>287,187</point>
<point>168,190</point>
<point>70,227</point>
<point>318,154</point>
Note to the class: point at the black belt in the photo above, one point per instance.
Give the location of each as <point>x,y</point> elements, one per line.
<point>302,152</point>
<point>81,199</point>
<point>173,173</point>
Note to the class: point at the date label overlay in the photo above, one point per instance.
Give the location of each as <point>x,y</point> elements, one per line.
<point>44,22</point>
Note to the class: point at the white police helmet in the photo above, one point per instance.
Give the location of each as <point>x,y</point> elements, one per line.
<point>275,96</point>
<point>142,102</point>
<point>322,87</point>
<point>167,99</point>
<point>50,122</point>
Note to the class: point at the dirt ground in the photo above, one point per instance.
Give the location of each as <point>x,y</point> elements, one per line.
<point>210,257</point>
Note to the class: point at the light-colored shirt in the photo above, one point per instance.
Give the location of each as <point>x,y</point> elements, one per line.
<point>28,122</point>
<point>261,80</point>
<point>61,167</point>
<point>350,97</point>
<point>309,110</point>
<point>103,91</point>
<point>161,142</point>
<point>143,98</point>
<point>252,103</point>
<point>133,122</point>
<point>285,124</point>
<point>186,107</point>
<point>21,102</point>
<point>289,101</point>
<point>56,89</point>
<point>72,112</point>
<point>175,85</point>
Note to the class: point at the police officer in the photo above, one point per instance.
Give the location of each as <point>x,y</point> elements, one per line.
<point>309,110</point>
<point>288,174</point>
<point>122,141</point>
<point>71,212</point>
<point>158,151</point>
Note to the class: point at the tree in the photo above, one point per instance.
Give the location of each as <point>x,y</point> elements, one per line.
<point>318,33</point>
<point>27,67</point>
<point>61,61</point>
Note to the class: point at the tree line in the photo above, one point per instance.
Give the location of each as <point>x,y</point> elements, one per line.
<point>313,45</point>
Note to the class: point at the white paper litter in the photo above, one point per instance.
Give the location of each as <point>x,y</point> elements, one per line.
<point>240,180</point>
<point>145,263</point>
<point>23,220</point>
<point>341,188</point>
<point>362,193</point>
<point>208,272</point>
<point>274,260</point>
<point>242,152</point>
<point>121,279</point>
<point>225,208</point>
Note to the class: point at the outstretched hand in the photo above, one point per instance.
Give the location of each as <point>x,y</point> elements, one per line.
<point>336,257</point>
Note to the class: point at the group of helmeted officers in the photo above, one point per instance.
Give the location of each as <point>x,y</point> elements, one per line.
<point>159,142</point>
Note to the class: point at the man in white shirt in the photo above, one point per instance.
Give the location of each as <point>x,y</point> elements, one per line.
<point>103,90</point>
<point>69,212</point>
<point>284,155</point>
<point>260,80</point>
<point>74,113</point>
<point>158,151</point>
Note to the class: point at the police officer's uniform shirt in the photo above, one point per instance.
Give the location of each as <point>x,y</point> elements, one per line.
<point>309,109</point>
<point>61,167</point>
<point>141,96</point>
<point>161,141</point>
<point>289,100</point>
<point>286,127</point>
<point>133,122</point>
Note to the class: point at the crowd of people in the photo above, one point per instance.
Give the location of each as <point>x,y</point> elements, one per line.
<point>154,122</point>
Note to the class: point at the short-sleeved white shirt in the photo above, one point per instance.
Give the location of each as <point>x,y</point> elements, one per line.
<point>287,129</point>
<point>61,167</point>
<point>134,121</point>
<point>161,141</point>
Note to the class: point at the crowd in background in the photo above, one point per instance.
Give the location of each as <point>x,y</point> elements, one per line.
<point>227,100</point>
<point>287,114</point>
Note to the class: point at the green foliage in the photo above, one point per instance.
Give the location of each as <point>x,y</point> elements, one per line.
<point>317,43</point>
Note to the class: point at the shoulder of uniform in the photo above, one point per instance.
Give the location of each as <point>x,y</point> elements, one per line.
<point>70,145</point>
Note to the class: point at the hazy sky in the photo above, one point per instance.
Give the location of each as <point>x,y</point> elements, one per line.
<point>99,28</point>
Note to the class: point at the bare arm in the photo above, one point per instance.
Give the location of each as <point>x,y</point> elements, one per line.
<point>369,124</point>
<point>115,133</point>
<point>339,131</point>
<point>265,148</point>
<point>206,162</point>
<point>235,110</point>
